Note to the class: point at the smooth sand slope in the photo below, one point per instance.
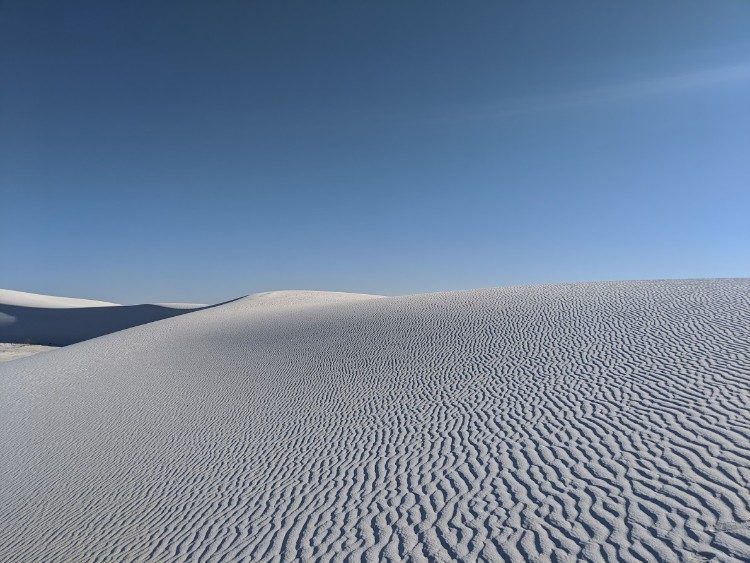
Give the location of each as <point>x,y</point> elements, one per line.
<point>596,421</point>
<point>10,352</point>
<point>28,318</point>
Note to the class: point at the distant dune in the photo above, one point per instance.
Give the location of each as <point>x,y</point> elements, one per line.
<point>28,318</point>
<point>597,421</point>
<point>24,299</point>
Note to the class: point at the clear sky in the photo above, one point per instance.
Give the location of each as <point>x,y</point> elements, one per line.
<point>204,150</point>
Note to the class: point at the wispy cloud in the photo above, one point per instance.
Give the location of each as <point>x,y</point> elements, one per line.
<point>665,84</point>
<point>626,91</point>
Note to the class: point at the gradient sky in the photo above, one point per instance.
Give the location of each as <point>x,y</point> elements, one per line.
<point>199,151</point>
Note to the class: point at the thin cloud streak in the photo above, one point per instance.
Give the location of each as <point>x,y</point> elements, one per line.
<point>629,91</point>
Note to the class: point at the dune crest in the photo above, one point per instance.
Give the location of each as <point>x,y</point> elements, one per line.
<point>24,299</point>
<point>298,299</point>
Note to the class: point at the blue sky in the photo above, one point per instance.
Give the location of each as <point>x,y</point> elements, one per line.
<point>204,150</point>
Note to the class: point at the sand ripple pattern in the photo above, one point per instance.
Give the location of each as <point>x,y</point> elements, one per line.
<point>604,421</point>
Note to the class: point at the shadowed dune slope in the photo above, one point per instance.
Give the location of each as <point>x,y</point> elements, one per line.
<point>593,421</point>
<point>28,318</point>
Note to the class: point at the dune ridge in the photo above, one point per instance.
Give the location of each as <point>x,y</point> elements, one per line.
<point>596,421</point>
<point>25,299</point>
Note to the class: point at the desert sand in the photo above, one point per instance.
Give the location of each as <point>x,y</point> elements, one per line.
<point>597,421</point>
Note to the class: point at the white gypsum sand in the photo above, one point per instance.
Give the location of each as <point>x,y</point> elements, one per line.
<point>597,421</point>
<point>25,299</point>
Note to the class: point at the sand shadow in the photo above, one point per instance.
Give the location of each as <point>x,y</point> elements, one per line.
<point>60,327</point>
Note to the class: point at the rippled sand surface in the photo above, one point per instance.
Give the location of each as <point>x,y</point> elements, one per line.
<point>596,421</point>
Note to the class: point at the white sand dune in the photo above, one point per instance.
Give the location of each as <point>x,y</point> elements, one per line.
<point>597,421</point>
<point>28,318</point>
<point>24,299</point>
